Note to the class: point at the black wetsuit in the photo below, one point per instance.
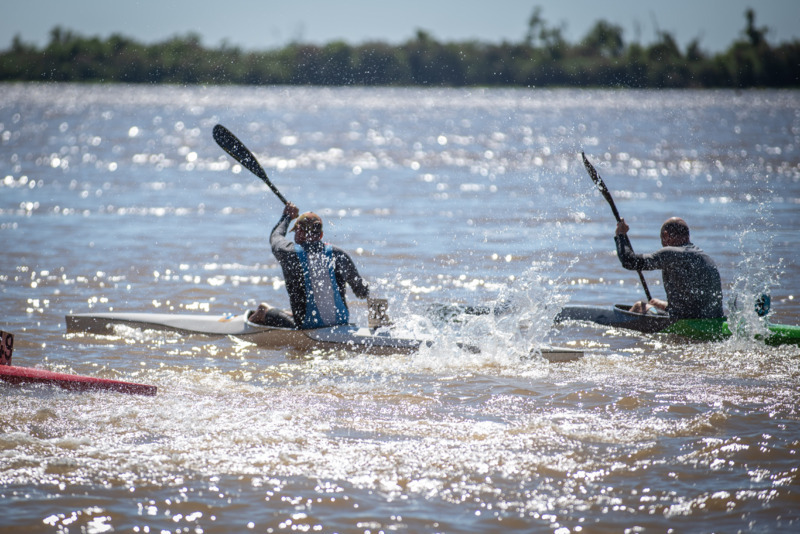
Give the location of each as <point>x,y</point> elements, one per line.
<point>691,278</point>
<point>285,252</point>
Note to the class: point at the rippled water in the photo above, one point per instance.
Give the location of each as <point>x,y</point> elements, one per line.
<point>117,198</point>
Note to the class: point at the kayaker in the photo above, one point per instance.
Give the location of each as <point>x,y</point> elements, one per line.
<point>691,279</point>
<point>316,273</point>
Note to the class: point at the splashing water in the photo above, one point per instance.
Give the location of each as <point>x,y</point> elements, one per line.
<point>754,278</point>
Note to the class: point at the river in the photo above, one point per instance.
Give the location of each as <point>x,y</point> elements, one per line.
<point>116,197</point>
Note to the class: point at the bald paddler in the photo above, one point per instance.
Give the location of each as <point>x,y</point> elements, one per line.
<point>316,273</point>
<point>691,279</point>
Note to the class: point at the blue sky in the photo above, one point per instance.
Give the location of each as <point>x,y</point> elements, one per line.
<point>266,24</point>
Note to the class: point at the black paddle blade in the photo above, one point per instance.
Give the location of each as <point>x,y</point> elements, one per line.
<point>600,185</point>
<point>231,144</point>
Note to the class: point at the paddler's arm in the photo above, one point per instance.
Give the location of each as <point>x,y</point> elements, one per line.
<point>345,265</point>
<point>628,259</point>
<point>277,238</point>
<point>359,285</point>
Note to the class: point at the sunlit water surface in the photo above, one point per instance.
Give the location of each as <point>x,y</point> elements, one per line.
<point>117,198</point>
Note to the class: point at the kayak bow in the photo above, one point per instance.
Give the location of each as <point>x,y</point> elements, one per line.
<point>27,375</point>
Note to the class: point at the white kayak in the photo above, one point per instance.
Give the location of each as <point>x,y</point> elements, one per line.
<point>345,337</point>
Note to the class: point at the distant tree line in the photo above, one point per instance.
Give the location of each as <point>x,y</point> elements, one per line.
<point>543,58</point>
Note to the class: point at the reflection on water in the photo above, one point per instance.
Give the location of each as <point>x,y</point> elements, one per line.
<point>117,198</point>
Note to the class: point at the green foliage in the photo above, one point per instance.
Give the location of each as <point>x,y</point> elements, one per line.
<point>543,58</point>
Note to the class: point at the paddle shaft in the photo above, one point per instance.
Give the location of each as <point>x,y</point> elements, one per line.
<point>231,144</point>
<point>607,195</point>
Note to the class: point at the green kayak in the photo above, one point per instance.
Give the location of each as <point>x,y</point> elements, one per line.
<point>620,316</point>
<point>717,329</point>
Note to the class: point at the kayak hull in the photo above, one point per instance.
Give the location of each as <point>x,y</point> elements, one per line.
<point>345,337</point>
<point>619,316</point>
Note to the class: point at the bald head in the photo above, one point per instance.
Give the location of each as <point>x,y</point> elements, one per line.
<point>674,232</point>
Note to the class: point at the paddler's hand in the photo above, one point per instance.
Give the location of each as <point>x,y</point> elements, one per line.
<point>291,211</point>
<point>622,227</point>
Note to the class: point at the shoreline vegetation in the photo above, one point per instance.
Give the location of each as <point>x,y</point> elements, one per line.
<point>542,58</point>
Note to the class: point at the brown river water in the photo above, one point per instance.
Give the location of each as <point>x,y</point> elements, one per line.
<point>117,198</point>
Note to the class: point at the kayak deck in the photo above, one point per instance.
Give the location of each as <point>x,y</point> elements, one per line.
<point>210,325</point>
<point>345,337</point>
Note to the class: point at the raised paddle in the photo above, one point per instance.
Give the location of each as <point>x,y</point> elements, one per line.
<point>607,195</point>
<point>230,144</point>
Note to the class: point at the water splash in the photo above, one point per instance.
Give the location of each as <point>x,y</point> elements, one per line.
<point>513,326</point>
<point>754,277</point>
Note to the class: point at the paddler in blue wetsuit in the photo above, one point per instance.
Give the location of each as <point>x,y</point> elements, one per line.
<point>316,274</point>
<point>691,279</point>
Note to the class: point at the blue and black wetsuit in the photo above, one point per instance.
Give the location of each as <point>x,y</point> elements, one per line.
<point>316,276</point>
<point>691,279</point>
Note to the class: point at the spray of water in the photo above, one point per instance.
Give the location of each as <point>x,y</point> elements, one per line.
<point>501,332</point>
<point>753,276</point>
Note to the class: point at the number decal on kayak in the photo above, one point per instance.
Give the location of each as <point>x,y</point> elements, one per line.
<point>6,347</point>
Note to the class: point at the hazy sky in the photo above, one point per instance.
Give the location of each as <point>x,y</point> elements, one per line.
<point>267,24</point>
